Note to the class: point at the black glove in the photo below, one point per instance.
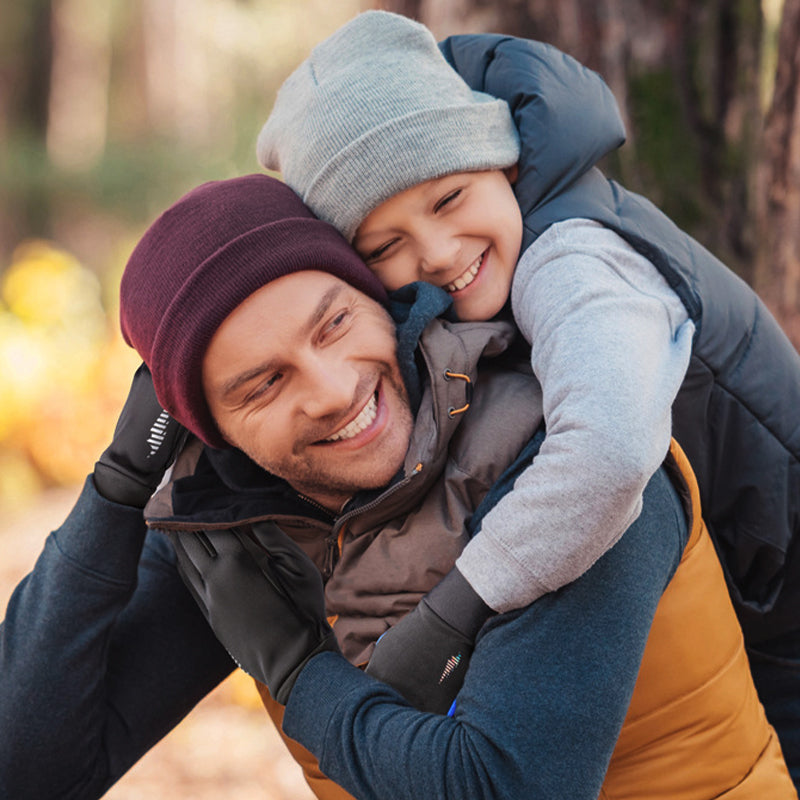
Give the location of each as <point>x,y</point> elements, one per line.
<point>425,656</point>
<point>146,441</point>
<point>263,598</point>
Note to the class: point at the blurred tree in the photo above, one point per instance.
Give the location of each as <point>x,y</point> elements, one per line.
<point>110,110</point>
<point>778,265</point>
<point>691,77</point>
<point>25,66</point>
<point>76,127</point>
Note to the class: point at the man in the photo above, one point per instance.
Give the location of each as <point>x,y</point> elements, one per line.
<point>244,307</point>
<point>365,129</point>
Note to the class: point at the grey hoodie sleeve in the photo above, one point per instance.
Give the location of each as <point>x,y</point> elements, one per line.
<point>610,344</point>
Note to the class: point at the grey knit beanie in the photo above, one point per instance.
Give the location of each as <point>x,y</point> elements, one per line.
<point>374,110</point>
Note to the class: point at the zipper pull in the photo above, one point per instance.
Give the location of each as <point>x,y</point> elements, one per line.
<point>330,557</point>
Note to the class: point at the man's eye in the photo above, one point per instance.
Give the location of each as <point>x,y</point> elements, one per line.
<point>265,386</point>
<point>446,199</point>
<point>337,320</point>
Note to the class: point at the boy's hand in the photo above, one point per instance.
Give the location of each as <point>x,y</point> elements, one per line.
<point>146,441</point>
<point>263,598</point>
<point>425,656</point>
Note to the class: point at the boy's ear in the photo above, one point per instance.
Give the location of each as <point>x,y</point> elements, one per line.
<point>512,173</point>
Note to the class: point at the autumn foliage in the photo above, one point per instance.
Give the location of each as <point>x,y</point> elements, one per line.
<point>65,371</point>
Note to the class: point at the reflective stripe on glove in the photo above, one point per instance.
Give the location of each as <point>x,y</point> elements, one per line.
<point>146,441</point>
<point>425,656</point>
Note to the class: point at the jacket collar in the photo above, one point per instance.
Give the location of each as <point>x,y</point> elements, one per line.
<point>567,116</point>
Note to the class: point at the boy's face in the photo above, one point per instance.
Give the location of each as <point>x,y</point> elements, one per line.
<point>303,377</point>
<point>462,232</point>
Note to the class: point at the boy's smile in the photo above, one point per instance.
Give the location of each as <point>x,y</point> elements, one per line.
<point>462,232</point>
<point>465,279</point>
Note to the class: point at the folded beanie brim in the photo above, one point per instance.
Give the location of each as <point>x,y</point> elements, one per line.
<point>410,150</point>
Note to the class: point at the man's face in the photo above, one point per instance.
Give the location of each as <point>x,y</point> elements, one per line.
<point>303,377</point>
<point>462,232</point>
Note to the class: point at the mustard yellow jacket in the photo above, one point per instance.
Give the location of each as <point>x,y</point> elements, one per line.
<point>695,729</point>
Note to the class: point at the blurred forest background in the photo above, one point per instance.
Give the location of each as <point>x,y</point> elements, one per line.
<point>110,110</point>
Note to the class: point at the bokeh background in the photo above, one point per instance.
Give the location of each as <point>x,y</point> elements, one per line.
<point>110,110</point>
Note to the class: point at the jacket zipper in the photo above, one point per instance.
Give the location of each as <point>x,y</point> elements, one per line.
<point>332,547</point>
<point>374,503</point>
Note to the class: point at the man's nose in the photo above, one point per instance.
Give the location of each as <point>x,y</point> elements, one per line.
<point>329,388</point>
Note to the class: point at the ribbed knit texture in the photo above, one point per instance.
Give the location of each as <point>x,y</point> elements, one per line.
<point>374,110</point>
<point>204,256</point>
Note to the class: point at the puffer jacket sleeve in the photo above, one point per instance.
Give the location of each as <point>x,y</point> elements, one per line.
<point>102,652</point>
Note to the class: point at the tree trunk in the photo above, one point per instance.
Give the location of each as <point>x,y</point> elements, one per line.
<point>23,105</point>
<point>778,266</point>
<point>77,118</point>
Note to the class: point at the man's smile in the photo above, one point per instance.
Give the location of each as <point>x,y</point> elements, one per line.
<point>361,422</point>
<point>336,419</point>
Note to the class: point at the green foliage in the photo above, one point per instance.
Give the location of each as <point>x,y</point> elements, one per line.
<point>668,159</point>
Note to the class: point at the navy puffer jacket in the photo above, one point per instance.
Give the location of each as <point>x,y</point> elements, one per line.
<point>737,415</point>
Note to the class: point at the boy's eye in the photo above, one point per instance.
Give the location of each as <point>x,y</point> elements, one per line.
<point>379,252</point>
<point>448,198</point>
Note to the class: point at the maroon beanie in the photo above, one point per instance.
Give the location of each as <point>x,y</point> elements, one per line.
<point>200,259</point>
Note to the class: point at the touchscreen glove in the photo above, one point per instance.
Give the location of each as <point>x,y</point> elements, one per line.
<point>263,598</point>
<point>425,655</point>
<point>145,443</point>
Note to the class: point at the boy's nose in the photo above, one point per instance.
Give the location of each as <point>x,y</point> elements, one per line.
<point>438,253</point>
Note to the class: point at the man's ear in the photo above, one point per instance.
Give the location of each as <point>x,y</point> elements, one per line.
<point>512,173</point>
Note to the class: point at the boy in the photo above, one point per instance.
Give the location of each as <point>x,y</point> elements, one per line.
<point>382,138</point>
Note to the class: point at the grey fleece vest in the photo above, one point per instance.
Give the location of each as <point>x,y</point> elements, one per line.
<point>737,415</point>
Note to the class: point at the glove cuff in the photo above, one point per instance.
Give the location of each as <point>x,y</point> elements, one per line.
<point>458,604</point>
<point>328,644</point>
<point>120,487</point>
